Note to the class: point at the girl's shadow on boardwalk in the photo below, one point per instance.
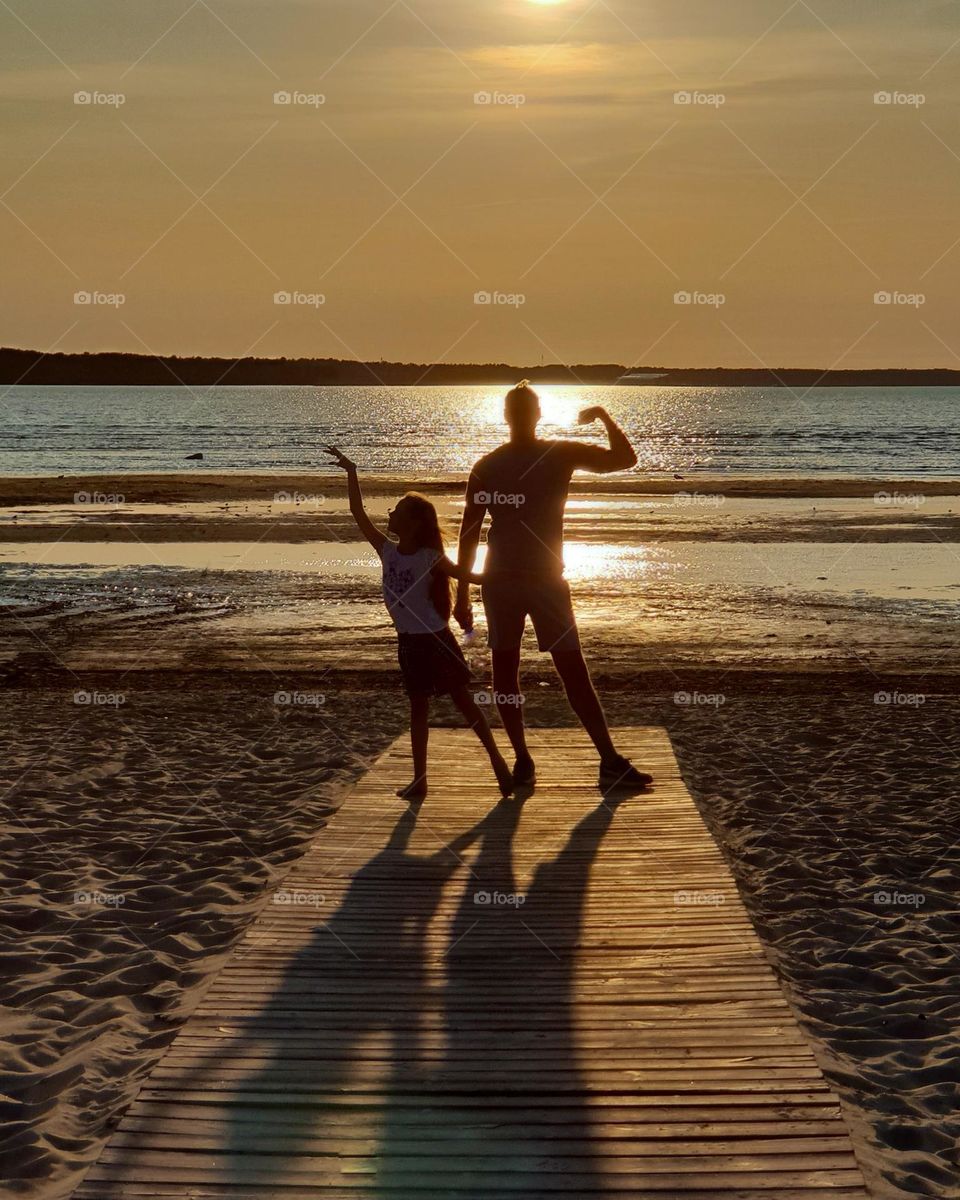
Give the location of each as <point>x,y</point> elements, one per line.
<point>409,1067</point>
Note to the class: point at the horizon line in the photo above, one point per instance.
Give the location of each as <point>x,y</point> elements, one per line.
<point>521,371</point>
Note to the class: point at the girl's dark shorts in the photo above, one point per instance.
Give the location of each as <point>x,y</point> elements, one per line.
<point>431,664</point>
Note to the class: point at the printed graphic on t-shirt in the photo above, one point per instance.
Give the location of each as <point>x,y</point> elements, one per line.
<point>406,590</point>
<point>400,579</point>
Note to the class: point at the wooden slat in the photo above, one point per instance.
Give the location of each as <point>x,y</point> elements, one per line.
<point>771,1189</point>
<point>618,1032</point>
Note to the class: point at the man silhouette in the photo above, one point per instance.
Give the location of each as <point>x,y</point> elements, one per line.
<point>523,485</point>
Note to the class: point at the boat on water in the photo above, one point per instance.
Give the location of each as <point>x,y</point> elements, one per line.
<point>641,376</point>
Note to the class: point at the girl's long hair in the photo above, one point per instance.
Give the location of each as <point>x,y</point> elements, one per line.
<point>430,534</point>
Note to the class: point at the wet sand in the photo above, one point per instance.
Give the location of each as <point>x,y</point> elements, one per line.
<point>180,606</point>
<point>200,486</point>
<point>628,519</point>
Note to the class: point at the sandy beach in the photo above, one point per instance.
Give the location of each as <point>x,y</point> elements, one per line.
<point>191,688</point>
<point>134,873</point>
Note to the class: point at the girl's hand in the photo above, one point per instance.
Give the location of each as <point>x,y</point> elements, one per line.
<point>463,611</point>
<point>341,459</point>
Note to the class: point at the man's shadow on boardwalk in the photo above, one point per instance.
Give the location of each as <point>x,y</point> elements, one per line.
<point>375,1071</point>
<point>511,1020</point>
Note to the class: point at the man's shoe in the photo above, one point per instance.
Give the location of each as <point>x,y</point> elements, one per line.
<point>620,772</point>
<point>524,771</point>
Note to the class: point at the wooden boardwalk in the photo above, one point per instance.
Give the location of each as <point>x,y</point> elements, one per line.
<point>557,997</point>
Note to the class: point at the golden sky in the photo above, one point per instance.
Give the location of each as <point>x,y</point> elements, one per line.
<point>791,170</point>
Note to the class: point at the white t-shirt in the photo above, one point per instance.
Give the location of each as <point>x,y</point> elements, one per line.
<point>406,589</point>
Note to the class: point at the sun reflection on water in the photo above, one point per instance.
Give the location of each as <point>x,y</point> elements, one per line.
<point>614,564</point>
<point>594,560</point>
<point>558,406</point>
<point>441,429</point>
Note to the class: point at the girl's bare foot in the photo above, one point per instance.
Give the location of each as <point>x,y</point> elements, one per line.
<point>504,777</point>
<point>415,790</point>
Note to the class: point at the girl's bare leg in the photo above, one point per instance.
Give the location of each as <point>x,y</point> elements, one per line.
<point>478,723</point>
<point>419,732</point>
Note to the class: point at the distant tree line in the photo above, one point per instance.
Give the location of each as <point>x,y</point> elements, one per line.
<point>106,369</point>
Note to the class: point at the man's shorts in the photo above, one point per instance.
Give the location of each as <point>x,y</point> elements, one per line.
<point>509,599</point>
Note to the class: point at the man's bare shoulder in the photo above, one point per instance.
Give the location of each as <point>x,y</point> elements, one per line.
<point>492,459</point>
<point>549,453</point>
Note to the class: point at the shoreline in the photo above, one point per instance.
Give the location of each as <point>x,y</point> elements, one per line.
<point>178,487</point>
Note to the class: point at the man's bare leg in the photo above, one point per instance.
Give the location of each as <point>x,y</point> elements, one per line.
<point>506,684</point>
<point>615,770</point>
<point>573,671</point>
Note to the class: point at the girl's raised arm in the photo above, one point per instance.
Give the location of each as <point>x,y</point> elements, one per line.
<point>364,524</point>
